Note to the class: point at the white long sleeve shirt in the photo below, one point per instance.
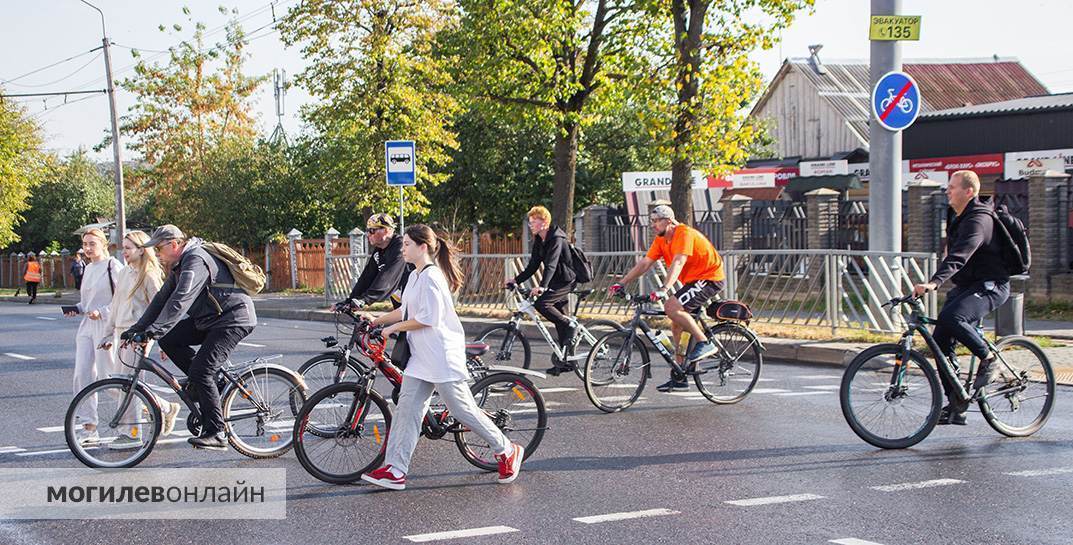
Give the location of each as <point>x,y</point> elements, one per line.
<point>97,295</point>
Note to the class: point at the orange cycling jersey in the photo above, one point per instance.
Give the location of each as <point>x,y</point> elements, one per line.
<point>702,261</point>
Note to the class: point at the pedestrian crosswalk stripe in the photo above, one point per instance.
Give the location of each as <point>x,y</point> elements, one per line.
<point>625,516</point>
<point>769,391</point>
<point>1041,472</point>
<point>753,502</point>
<point>556,390</point>
<point>853,541</point>
<point>19,356</point>
<point>914,486</point>
<point>251,345</point>
<point>51,429</point>
<point>792,394</point>
<point>456,534</point>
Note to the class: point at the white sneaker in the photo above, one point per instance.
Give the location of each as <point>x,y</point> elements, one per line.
<point>87,437</point>
<point>170,415</point>
<point>125,442</point>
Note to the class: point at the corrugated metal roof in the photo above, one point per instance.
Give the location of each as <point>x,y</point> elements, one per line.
<point>944,84</point>
<point>1045,102</point>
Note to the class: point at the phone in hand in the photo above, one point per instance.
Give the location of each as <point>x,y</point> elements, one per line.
<point>66,309</point>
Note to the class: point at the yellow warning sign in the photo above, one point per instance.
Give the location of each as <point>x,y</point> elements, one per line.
<point>894,28</point>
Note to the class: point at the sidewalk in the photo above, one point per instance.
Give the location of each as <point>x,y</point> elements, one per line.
<point>828,353</point>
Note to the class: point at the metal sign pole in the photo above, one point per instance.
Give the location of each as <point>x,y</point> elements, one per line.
<point>402,218</point>
<point>885,151</point>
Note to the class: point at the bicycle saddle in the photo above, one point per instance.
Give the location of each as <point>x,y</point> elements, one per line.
<point>476,349</point>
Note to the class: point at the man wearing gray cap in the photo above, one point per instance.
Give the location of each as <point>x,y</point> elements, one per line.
<point>219,315</point>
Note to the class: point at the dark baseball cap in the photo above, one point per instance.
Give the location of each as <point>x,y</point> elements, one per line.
<point>162,234</point>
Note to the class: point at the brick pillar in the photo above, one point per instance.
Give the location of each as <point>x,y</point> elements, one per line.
<point>822,211</point>
<point>735,229</point>
<point>592,238</point>
<point>922,218</point>
<point>1044,221</point>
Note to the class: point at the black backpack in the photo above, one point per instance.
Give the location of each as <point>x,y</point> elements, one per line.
<point>582,267</point>
<point>1016,252</point>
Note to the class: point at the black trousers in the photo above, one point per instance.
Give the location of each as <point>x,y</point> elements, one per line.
<point>31,289</point>
<point>965,306</point>
<point>554,305</point>
<point>201,366</point>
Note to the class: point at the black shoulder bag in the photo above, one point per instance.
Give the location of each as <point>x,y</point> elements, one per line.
<point>400,354</point>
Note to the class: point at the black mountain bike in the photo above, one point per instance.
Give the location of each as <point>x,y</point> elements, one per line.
<point>891,395</point>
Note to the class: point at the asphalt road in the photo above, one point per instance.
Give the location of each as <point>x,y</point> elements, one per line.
<point>780,467</point>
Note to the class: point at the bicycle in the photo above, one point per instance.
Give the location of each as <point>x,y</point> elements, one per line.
<point>510,345</point>
<point>905,104</point>
<point>341,431</point>
<point>890,394</point>
<point>620,360</point>
<point>259,401</point>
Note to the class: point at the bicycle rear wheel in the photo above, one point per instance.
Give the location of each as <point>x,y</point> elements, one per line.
<point>1021,400</point>
<point>260,421</point>
<point>516,407</point>
<point>732,372</point>
<point>137,428</point>
<point>580,352</point>
<point>616,371</point>
<point>888,402</point>
<point>357,427</point>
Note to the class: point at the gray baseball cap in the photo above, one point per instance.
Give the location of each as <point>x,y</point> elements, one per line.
<point>662,211</point>
<point>163,233</point>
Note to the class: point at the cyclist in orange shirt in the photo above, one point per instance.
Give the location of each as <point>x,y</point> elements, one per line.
<point>691,259</point>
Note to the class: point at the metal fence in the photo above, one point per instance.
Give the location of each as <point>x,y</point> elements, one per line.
<point>823,288</point>
<point>777,225</point>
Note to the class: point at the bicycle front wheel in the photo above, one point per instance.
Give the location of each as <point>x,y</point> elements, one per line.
<point>732,372</point>
<point>129,440</point>
<point>357,426</point>
<point>1020,401</point>
<point>506,346</point>
<point>516,407</point>
<point>888,402</point>
<point>320,371</point>
<point>616,371</point>
<point>259,415</point>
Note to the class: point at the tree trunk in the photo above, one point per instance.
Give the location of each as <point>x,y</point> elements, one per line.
<point>562,206</point>
<point>688,30</point>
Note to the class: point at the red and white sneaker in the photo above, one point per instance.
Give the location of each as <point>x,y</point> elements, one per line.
<point>510,464</point>
<point>386,477</point>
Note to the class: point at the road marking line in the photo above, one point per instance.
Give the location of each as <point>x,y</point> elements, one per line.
<point>19,356</point>
<point>683,394</point>
<point>914,486</point>
<point>52,429</point>
<point>473,532</point>
<point>11,450</point>
<point>1041,472</point>
<point>769,391</point>
<point>791,394</point>
<point>752,502</point>
<point>556,390</point>
<point>818,377</point>
<point>46,318</point>
<point>625,516</point>
<point>853,541</point>
<point>824,387</point>
<point>40,452</point>
<point>251,345</point>
<point>750,380</point>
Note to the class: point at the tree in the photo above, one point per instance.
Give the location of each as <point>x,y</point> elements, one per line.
<point>554,59</point>
<point>72,194</point>
<point>374,68</point>
<point>713,81</point>
<point>22,166</point>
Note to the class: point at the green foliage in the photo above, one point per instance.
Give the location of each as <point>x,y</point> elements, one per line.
<point>74,192</point>
<point>22,166</point>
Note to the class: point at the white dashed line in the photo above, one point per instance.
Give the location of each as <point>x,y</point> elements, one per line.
<point>11,450</point>
<point>793,394</point>
<point>40,452</point>
<point>683,394</point>
<point>46,318</point>
<point>817,377</point>
<point>914,486</point>
<point>853,541</point>
<point>769,391</point>
<point>752,502</point>
<point>19,356</point>
<point>251,345</point>
<point>824,387</point>
<point>750,380</point>
<point>556,390</point>
<point>625,516</point>
<point>473,532</point>
<point>52,429</point>
<point>1041,472</point>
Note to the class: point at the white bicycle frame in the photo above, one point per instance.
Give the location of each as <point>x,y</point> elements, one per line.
<point>525,307</point>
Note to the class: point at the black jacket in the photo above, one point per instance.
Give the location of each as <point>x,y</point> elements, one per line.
<point>554,253</point>
<point>187,291</point>
<point>384,273</point>
<point>973,247</point>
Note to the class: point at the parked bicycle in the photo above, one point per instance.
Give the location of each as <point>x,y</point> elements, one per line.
<point>510,346</point>
<point>341,431</point>
<point>259,400</point>
<point>891,395</point>
<point>619,365</point>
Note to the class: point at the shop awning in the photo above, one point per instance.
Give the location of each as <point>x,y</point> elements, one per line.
<point>838,182</point>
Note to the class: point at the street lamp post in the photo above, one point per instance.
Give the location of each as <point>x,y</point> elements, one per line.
<point>121,215</point>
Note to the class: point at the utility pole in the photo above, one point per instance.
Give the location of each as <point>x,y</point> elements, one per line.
<point>885,150</point>
<point>120,208</point>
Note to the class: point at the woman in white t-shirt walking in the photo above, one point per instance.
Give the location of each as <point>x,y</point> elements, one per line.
<point>437,361</point>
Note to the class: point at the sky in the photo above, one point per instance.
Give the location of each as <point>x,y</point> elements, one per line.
<point>37,34</point>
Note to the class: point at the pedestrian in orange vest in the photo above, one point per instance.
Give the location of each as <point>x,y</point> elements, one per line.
<point>32,275</point>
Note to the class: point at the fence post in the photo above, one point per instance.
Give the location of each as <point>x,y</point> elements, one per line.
<point>730,267</point>
<point>821,217</point>
<point>830,287</point>
<point>922,216</point>
<point>66,254</point>
<point>357,247</point>
<point>735,225</point>
<point>292,239</point>
<point>329,240</point>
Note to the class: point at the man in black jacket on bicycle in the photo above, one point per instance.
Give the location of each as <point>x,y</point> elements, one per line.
<point>974,264</point>
<point>552,248</point>
<point>385,274</point>
<point>217,316</point>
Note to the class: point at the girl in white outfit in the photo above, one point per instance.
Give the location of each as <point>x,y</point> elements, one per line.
<point>136,285</point>
<point>437,361</point>
<point>91,362</point>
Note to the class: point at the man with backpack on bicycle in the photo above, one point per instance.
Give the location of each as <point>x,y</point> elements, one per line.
<point>551,248</point>
<point>385,273</point>
<point>219,314</point>
<point>976,243</point>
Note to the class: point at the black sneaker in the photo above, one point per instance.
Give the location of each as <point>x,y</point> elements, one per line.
<point>209,442</point>
<point>988,372</point>
<point>673,385</point>
<point>950,416</point>
<point>560,369</point>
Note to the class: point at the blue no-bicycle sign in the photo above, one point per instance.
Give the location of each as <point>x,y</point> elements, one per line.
<point>896,101</point>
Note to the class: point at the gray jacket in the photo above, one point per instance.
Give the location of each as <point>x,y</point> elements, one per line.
<point>188,290</point>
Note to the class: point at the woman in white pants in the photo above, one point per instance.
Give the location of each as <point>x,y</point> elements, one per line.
<point>91,363</point>
<point>437,361</point>
<point>136,285</point>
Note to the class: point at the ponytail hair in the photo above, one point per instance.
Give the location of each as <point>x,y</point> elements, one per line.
<point>441,251</point>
